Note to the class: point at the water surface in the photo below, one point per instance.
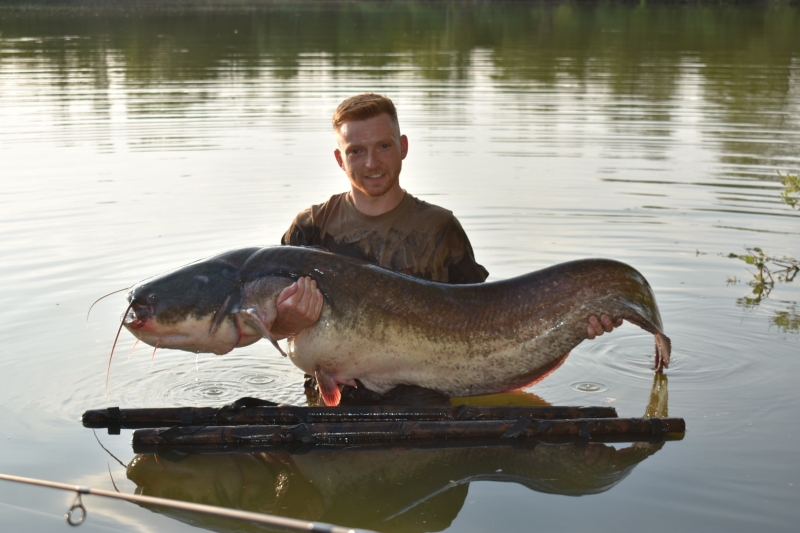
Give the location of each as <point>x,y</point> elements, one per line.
<point>137,138</point>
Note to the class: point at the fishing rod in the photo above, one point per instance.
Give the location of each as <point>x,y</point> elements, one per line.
<point>74,518</point>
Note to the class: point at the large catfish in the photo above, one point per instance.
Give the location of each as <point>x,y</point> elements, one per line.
<point>385,329</point>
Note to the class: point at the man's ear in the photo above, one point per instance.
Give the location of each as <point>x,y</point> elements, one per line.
<point>338,155</point>
<point>403,146</point>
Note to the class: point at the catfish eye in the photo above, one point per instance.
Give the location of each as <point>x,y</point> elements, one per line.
<point>152,297</point>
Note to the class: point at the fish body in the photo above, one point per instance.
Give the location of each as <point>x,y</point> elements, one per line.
<point>384,328</point>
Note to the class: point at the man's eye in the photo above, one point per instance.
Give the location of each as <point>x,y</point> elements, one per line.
<point>384,145</point>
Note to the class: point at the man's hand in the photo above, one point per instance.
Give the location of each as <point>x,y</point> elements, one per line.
<point>597,328</point>
<point>299,306</point>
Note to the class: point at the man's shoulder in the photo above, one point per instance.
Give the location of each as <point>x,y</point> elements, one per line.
<point>428,210</point>
<point>307,227</point>
<point>334,202</point>
<point>314,214</point>
<point>434,219</point>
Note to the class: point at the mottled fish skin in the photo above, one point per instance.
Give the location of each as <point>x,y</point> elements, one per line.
<point>384,328</point>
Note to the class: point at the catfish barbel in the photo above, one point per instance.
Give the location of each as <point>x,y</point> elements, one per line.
<point>384,328</point>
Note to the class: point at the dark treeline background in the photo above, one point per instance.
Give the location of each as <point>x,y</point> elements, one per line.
<point>639,49</point>
<point>532,41</point>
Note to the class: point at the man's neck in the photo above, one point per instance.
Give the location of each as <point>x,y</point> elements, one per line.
<point>377,205</point>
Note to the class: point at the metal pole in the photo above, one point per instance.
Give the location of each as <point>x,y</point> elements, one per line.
<point>259,518</point>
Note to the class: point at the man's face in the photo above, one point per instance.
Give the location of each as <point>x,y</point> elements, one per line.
<point>371,153</point>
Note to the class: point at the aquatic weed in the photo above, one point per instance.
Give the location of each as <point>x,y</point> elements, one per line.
<point>791,191</point>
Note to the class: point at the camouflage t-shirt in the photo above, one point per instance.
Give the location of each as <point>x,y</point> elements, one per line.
<point>416,238</point>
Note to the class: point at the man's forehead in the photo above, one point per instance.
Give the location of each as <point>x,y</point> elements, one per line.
<point>378,127</point>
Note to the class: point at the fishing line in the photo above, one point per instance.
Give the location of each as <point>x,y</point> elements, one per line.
<point>112,477</point>
<point>108,452</point>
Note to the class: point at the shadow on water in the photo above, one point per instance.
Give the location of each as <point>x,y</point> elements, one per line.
<point>388,489</point>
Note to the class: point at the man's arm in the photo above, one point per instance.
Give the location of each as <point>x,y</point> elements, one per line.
<point>299,304</point>
<point>459,258</point>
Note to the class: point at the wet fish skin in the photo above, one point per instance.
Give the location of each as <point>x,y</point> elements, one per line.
<point>384,328</point>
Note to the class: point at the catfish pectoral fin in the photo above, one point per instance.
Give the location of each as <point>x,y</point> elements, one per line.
<point>328,388</point>
<point>262,326</point>
<point>277,346</point>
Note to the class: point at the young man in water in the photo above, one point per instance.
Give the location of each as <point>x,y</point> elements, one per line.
<point>377,220</point>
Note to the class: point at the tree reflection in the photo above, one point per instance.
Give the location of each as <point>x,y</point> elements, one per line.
<point>742,58</point>
<point>639,50</point>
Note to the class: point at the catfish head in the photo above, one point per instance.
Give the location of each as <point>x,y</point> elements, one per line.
<point>194,308</point>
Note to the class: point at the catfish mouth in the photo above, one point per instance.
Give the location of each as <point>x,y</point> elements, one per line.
<point>138,314</point>
<point>141,319</point>
<point>142,323</point>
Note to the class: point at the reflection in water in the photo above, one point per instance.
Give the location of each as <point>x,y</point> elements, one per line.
<point>769,271</point>
<point>788,320</point>
<point>387,489</point>
<point>510,398</point>
<point>652,62</point>
<point>658,404</point>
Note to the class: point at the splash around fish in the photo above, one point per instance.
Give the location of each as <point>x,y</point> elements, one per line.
<point>381,329</point>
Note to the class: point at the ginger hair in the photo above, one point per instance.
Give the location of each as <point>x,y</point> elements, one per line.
<point>362,107</point>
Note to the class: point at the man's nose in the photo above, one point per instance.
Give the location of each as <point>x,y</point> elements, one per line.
<point>371,161</point>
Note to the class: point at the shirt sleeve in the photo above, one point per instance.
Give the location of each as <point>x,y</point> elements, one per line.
<point>462,267</point>
<point>302,231</point>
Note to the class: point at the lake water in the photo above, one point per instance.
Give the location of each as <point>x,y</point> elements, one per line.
<point>135,138</point>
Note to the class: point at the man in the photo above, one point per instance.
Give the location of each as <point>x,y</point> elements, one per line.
<point>377,220</point>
